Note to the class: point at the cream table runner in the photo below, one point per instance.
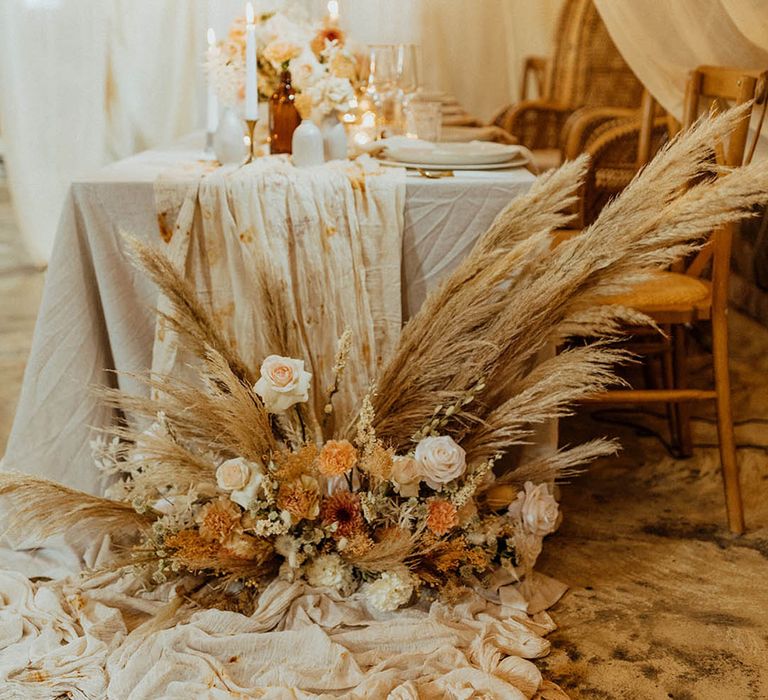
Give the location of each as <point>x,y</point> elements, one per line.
<point>329,239</point>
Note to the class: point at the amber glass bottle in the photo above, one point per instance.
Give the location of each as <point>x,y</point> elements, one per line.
<point>283,115</point>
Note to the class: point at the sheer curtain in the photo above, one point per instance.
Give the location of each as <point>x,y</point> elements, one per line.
<point>662,41</point>
<point>86,81</point>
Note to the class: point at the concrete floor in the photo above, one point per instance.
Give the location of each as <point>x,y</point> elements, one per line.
<point>664,603</point>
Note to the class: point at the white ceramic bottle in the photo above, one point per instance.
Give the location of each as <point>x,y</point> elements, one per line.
<point>228,143</point>
<point>334,138</point>
<point>307,145</point>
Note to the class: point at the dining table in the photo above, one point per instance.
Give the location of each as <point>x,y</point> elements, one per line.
<point>96,321</point>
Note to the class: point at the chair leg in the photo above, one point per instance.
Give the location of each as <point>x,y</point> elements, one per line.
<point>668,382</point>
<point>728,460</point>
<point>682,410</point>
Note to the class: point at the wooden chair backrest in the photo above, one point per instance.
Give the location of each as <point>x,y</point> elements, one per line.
<point>713,89</point>
<point>587,69</point>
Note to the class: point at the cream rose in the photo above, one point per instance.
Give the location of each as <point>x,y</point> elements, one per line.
<point>242,478</point>
<point>440,460</point>
<point>283,383</point>
<point>233,474</point>
<point>405,476</point>
<point>537,509</point>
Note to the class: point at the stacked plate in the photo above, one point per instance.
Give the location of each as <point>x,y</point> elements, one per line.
<point>475,155</point>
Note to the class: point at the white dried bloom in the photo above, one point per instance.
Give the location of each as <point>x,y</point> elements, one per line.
<point>330,571</point>
<point>391,590</point>
<point>290,549</point>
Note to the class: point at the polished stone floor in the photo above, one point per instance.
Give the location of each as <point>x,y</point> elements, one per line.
<point>664,603</point>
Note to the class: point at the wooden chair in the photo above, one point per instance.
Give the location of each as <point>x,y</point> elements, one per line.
<point>676,298</point>
<point>586,71</point>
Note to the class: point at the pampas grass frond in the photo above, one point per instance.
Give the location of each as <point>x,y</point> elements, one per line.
<point>389,553</point>
<point>39,508</point>
<point>494,315</point>
<point>190,319</point>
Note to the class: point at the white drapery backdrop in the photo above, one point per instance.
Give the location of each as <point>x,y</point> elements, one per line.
<point>84,82</point>
<point>664,40</point>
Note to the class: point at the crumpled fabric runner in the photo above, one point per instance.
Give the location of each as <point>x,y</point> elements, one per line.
<point>106,638</point>
<point>330,237</point>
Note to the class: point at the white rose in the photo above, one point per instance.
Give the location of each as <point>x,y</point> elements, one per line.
<point>242,478</point>
<point>441,460</point>
<point>283,383</point>
<point>536,508</point>
<point>391,590</point>
<point>405,476</point>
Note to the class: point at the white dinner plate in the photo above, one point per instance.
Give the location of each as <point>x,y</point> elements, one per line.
<point>453,154</point>
<point>520,160</point>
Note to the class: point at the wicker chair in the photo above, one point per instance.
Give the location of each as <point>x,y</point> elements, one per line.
<point>586,71</point>
<point>617,148</point>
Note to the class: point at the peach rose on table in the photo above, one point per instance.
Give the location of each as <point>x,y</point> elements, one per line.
<point>440,460</point>
<point>283,383</point>
<point>279,53</point>
<point>537,509</point>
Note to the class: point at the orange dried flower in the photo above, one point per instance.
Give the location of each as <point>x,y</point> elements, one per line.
<point>358,545</point>
<point>217,519</point>
<point>441,516</point>
<point>329,33</point>
<point>336,458</point>
<point>300,498</point>
<point>344,509</point>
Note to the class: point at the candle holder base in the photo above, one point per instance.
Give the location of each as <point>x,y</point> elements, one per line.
<point>251,124</point>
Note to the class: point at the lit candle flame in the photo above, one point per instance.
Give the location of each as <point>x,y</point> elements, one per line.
<point>211,37</point>
<point>333,10</point>
<point>249,13</point>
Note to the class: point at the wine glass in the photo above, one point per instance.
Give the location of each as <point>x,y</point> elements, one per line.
<point>383,90</point>
<point>407,68</point>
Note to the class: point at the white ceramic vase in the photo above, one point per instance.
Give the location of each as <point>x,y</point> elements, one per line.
<point>307,145</point>
<point>334,138</point>
<point>229,139</point>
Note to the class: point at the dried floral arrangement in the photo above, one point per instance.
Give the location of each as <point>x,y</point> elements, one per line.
<point>251,473</point>
<point>321,63</point>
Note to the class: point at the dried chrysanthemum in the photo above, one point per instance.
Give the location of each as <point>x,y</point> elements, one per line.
<point>217,519</point>
<point>301,498</point>
<point>441,516</point>
<point>336,458</point>
<point>291,465</point>
<point>343,508</point>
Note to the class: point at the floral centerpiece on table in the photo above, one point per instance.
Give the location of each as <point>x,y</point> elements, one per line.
<point>250,474</point>
<point>317,55</point>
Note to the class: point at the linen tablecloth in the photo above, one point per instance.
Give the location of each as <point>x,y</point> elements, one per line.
<point>97,309</point>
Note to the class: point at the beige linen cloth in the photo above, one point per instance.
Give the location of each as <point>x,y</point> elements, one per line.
<point>106,639</point>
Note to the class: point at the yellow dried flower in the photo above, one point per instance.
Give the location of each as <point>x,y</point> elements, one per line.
<point>378,464</point>
<point>336,458</point>
<point>357,545</point>
<point>292,465</point>
<point>441,516</point>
